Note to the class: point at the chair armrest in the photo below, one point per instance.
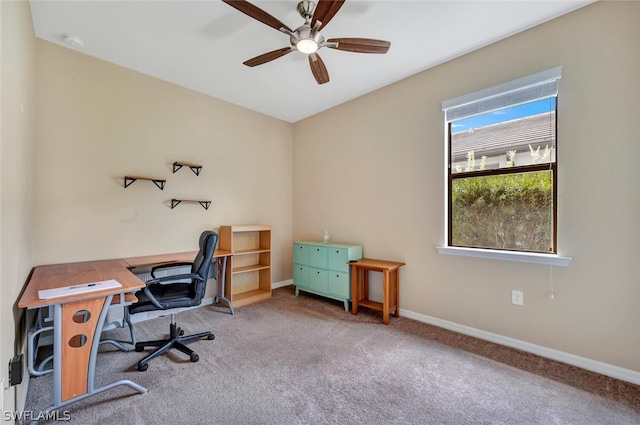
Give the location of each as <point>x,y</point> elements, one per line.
<point>168,279</point>
<point>163,281</point>
<point>169,266</point>
<point>153,299</point>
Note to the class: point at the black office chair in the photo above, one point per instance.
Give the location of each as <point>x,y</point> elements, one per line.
<point>175,292</point>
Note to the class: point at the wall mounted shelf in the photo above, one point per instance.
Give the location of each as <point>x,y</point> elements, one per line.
<point>175,202</point>
<point>130,179</point>
<point>195,168</point>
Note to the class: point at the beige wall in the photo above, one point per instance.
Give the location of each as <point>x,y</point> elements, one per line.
<point>374,175</point>
<point>64,158</point>
<point>371,171</point>
<point>98,122</point>
<point>17,85</point>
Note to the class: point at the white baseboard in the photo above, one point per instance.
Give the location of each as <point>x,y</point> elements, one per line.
<point>581,362</point>
<point>606,369</point>
<point>141,317</point>
<point>282,284</point>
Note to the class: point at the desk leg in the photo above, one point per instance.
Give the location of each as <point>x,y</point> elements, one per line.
<point>76,337</point>
<point>222,271</point>
<point>81,324</point>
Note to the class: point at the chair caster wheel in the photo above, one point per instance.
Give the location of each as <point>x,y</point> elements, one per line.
<point>139,348</point>
<point>143,366</point>
<point>180,332</point>
<point>194,357</point>
<point>210,337</point>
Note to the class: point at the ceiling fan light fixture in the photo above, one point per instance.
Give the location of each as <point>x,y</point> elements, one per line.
<point>307,45</point>
<point>307,38</point>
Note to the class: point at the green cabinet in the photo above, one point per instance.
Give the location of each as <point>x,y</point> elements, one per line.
<point>322,269</point>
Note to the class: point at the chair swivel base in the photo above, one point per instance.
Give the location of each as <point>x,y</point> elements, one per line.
<point>176,340</point>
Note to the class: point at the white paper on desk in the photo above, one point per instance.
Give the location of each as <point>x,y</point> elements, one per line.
<point>83,288</point>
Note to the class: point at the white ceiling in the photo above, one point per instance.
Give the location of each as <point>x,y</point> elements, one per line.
<point>201,44</point>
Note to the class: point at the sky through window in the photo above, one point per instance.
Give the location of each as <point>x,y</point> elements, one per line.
<point>507,114</point>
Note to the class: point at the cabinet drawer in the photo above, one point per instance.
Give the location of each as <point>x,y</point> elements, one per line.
<point>339,284</point>
<point>318,256</point>
<point>300,275</point>
<point>318,280</point>
<point>300,253</point>
<point>338,258</point>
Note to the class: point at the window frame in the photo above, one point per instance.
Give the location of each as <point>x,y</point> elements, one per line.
<point>492,93</point>
<point>520,169</point>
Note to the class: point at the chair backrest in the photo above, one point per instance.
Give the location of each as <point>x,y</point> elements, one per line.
<point>202,262</point>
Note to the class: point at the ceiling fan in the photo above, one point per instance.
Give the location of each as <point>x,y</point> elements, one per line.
<point>307,38</point>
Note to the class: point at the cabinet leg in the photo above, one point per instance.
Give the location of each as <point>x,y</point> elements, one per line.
<point>396,289</point>
<point>385,297</point>
<point>365,284</point>
<point>355,289</point>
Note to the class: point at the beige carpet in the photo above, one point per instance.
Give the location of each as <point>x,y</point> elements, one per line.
<point>304,360</point>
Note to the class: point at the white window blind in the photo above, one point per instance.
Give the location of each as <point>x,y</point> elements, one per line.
<point>536,86</point>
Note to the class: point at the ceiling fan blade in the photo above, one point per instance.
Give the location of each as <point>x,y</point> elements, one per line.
<point>325,11</point>
<point>264,58</point>
<point>318,69</point>
<point>256,13</point>
<point>360,45</point>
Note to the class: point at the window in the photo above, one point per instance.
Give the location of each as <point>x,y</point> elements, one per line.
<point>502,166</point>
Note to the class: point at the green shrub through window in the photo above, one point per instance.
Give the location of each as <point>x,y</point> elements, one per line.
<point>507,211</point>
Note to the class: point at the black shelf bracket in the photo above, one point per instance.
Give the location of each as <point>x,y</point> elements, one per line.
<point>195,168</point>
<point>175,202</point>
<point>158,182</point>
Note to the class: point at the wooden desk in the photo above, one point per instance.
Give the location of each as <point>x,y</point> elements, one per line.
<point>77,323</point>
<point>390,286</point>
<point>78,319</point>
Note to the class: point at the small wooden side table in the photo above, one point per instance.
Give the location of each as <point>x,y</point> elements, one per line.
<point>390,286</point>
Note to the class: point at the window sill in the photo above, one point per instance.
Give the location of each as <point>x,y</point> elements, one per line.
<point>521,257</point>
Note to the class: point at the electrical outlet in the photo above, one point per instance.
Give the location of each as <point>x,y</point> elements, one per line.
<point>517,297</point>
